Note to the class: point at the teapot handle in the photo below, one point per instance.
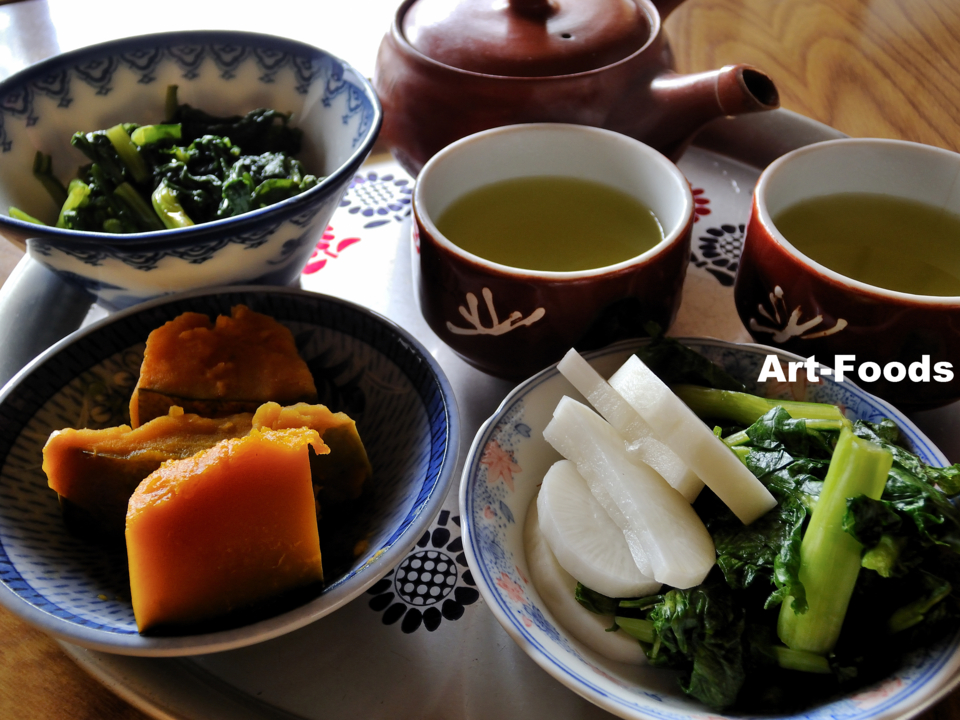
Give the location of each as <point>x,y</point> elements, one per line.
<point>534,9</point>
<point>665,7</point>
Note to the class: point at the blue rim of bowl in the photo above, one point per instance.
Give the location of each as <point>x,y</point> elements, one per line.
<point>578,682</point>
<point>162,238</point>
<point>421,368</point>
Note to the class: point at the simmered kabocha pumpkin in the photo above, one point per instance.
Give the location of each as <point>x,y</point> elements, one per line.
<point>339,475</point>
<point>223,530</point>
<point>219,368</point>
<point>95,471</point>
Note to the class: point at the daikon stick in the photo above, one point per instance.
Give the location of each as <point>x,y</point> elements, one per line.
<point>557,588</point>
<point>583,537</point>
<point>642,442</point>
<point>666,538</point>
<point>686,434</point>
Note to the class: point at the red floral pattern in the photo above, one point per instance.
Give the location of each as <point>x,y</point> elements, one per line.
<point>326,250</point>
<point>511,588</point>
<point>500,464</point>
<point>700,202</point>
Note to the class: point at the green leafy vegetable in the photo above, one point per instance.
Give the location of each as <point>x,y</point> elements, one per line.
<point>595,602</point>
<point>194,168</point>
<point>676,364</point>
<point>699,632</point>
<point>259,131</point>
<point>791,462</point>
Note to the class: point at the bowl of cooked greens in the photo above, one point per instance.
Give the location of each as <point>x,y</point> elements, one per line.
<point>167,162</point>
<point>672,537</point>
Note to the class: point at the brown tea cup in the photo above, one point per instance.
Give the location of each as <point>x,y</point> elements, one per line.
<point>901,346</point>
<point>512,322</point>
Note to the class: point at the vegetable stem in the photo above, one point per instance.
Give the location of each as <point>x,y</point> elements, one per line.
<point>169,209</point>
<point>139,206</point>
<point>801,660</point>
<point>77,194</point>
<point>638,628</point>
<point>829,556</point>
<point>170,103</point>
<point>746,409</point>
<point>112,225</point>
<point>128,153</point>
<point>150,134</point>
<point>43,171</point>
<point>19,214</point>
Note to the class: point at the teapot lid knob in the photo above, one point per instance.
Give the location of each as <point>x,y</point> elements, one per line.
<point>533,8</point>
<point>528,38</point>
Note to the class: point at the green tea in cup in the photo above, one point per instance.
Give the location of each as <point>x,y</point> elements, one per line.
<point>551,223</point>
<point>881,240</point>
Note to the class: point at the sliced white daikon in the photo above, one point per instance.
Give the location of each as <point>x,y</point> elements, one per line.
<point>642,442</point>
<point>583,538</point>
<point>556,588</point>
<point>666,538</point>
<point>687,435</point>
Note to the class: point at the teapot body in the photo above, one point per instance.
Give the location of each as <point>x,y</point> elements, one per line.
<point>427,105</point>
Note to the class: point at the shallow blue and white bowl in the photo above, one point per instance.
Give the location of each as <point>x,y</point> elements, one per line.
<point>223,73</point>
<point>501,476</point>
<point>363,365</point>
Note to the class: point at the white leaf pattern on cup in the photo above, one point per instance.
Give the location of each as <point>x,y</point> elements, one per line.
<point>472,316</point>
<point>792,327</point>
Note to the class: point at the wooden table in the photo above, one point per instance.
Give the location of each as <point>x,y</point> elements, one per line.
<point>882,68</point>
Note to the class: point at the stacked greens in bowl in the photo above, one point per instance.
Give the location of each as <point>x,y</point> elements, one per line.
<point>193,168</point>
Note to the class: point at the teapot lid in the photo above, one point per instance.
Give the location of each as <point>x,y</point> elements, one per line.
<point>526,38</point>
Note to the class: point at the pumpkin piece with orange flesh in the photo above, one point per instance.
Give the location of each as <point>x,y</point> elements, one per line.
<point>339,475</point>
<point>95,471</point>
<point>219,368</point>
<point>223,530</point>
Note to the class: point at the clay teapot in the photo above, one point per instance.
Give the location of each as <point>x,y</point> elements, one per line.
<point>450,68</point>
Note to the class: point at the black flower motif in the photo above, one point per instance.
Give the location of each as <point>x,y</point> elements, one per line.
<point>430,584</point>
<point>718,252</point>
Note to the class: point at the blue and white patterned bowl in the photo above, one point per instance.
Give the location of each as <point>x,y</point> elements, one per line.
<point>362,364</point>
<point>222,72</point>
<point>501,475</point>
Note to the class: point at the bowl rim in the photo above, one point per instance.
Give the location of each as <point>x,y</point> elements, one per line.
<point>607,698</point>
<point>876,292</point>
<point>652,156</point>
<point>171,237</point>
<point>285,622</point>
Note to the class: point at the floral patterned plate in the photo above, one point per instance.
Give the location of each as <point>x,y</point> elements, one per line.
<point>501,475</point>
<point>362,364</point>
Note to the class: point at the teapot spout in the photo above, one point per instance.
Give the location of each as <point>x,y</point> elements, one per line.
<point>677,106</point>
